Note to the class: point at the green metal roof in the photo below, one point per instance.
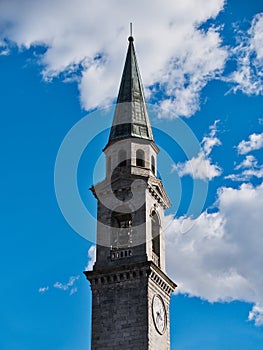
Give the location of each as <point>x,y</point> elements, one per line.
<point>131,117</point>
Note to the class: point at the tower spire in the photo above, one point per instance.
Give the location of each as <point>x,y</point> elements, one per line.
<point>131,117</point>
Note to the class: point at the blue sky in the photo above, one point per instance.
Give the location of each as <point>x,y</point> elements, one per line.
<point>202,65</point>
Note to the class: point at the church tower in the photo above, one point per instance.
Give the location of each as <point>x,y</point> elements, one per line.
<point>130,288</point>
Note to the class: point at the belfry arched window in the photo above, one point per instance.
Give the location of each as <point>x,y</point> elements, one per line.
<point>121,236</point>
<point>122,158</point>
<point>155,234</point>
<point>140,161</point>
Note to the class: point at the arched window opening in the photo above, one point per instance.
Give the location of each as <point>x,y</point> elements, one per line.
<point>122,158</point>
<point>121,230</point>
<point>155,234</point>
<point>140,158</point>
<point>153,164</point>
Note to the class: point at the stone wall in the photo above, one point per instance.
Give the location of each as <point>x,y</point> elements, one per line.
<point>122,307</point>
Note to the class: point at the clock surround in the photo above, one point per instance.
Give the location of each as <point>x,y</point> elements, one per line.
<point>159,314</point>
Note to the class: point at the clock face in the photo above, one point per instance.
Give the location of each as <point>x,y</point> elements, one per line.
<point>159,314</point>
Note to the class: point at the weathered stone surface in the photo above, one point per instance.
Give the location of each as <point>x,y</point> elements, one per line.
<point>122,307</point>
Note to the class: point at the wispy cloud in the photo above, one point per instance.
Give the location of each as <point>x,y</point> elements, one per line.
<point>256,315</point>
<point>210,141</point>
<point>73,291</point>
<point>4,50</point>
<point>200,60</point>
<point>43,290</point>
<point>68,286</point>
<point>201,167</point>
<point>248,162</point>
<point>248,168</point>
<point>248,77</point>
<point>255,142</point>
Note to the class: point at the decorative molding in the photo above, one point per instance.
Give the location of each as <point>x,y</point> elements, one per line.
<point>118,274</point>
<point>161,282</point>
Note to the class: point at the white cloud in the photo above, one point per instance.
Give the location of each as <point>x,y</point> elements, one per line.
<point>248,162</point>
<point>193,64</point>
<point>255,142</point>
<point>257,172</point>
<point>174,53</point>
<point>249,167</point>
<point>248,76</point>
<point>67,286</point>
<point>210,141</point>
<point>256,314</point>
<point>4,50</point>
<point>91,257</point>
<point>73,291</point>
<point>43,290</point>
<point>198,167</point>
<point>220,257</point>
<point>59,285</point>
<point>201,167</point>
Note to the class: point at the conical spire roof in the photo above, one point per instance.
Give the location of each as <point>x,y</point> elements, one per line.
<point>131,117</point>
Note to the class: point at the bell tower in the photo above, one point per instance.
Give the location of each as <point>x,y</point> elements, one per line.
<point>130,288</point>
